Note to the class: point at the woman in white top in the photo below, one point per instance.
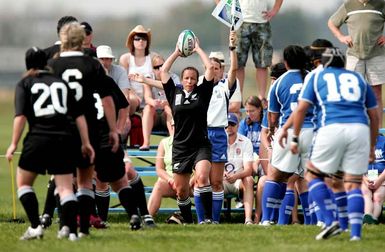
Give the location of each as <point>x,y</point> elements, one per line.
<point>137,60</point>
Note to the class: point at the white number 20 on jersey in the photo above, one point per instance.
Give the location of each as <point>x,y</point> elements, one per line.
<point>349,88</point>
<point>58,93</point>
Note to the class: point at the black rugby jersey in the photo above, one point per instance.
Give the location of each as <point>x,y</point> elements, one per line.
<point>190,113</point>
<point>48,103</point>
<point>120,102</point>
<point>85,75</point>
<point>53,50</point>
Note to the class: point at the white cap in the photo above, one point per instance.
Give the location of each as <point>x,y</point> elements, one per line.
<point>219,55</point>
<point>104,51</point>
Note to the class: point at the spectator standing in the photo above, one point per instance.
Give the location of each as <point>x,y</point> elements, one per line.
<point>255,33</point>
<point>365,40</point>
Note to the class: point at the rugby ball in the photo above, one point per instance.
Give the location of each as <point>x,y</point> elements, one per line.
<point>186,42</point>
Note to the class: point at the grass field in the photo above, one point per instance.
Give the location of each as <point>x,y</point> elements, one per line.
<point>224,237</point>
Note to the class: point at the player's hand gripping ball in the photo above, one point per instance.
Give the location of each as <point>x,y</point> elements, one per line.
<point>186,43</point>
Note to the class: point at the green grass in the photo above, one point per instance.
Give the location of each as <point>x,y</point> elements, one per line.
<point>224,237</point>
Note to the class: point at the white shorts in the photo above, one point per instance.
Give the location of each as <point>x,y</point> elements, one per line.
<point>232,188</point>
<point>342,147</point>
<point>285,161</point>
<point>372,69</point>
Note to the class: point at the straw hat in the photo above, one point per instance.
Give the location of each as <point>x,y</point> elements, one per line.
<point>136,30</point>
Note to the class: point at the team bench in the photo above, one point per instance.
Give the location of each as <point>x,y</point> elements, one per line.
<point>149,171</point>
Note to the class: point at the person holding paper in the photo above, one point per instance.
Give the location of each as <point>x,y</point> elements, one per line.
<point>255,33</point>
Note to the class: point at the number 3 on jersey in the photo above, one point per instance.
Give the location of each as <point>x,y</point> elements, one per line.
<point>75,85</point>
<point>295,89</point>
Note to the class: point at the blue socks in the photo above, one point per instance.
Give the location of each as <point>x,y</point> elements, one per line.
<point>342,209</point>
<point>217,205</point>
<point>356,211</point>
<point>320,194</point>
<point>304,198</point>
<point>271,200</point>
<point>286,208</point>
<point>199,206</point>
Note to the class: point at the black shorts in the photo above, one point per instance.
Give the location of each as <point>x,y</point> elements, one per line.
<point>109,166</point>
<point>184,159</point>
<point>52,154</point>
<point>84,162</point>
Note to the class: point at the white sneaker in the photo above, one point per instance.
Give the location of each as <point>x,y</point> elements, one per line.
<point>33,233</point>
<point>148,221</point>
<point>320,224</point>
<point>355,238</point>
<point>73,237</point>
<point>239,205</point>
<point>265,223</point>
<point>330,231</point>
<point>249,222</point>
<point>83,235</point>
<point>64,232</point>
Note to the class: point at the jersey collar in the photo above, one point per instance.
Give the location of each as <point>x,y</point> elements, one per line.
<point>71,53</point>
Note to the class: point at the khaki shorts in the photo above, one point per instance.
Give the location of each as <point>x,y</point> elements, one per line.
<point>372,69</point>
<point>232,188</point>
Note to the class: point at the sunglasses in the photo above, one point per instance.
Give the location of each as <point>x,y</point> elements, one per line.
<point>140,38</point>
<point>157,67</point>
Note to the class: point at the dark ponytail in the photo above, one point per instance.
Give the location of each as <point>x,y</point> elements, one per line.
<point>296,58</point>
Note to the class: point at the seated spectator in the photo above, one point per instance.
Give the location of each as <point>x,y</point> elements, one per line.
<point>118,74</point>
<point>251,127</point>
<point>157,112</point>
<point>373,186</point>
<point>137,60</point>
<point>238,169</point>
<point>164,186</point>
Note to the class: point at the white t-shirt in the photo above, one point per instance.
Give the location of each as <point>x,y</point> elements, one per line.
<point>218,107</point>
<point>252,10</point>
<point>239,153</point>
<point>145,69</point>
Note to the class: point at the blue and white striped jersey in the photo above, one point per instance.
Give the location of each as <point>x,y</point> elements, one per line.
<point>283,97</point>
<point>340,96</point>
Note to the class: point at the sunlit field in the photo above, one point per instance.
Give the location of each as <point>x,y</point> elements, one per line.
<point>233,235</point>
